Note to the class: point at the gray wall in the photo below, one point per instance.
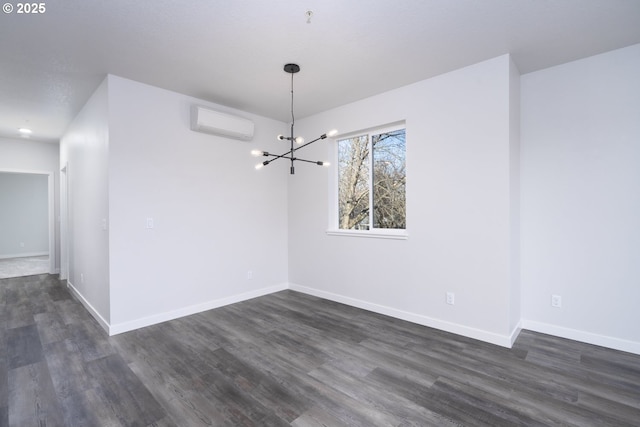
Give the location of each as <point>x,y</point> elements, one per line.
<point>24,215</point>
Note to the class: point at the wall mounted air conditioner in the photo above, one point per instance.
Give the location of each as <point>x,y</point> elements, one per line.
<point>215,122</point>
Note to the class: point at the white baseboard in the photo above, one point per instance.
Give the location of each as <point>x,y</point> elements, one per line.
<point>103,323</point>
<point>479,334</point>
<point>490,337</point>
<point>23,255</point>
<point>582,336</point>
<point>193,309</point>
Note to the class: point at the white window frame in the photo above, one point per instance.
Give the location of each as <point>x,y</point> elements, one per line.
<point>334,229</point>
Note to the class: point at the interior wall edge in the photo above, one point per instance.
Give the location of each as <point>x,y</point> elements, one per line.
<point>90,308</point>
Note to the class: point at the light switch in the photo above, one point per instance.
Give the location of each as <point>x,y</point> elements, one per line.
<point>149,222</point>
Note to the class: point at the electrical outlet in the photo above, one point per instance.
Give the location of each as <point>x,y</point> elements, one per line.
<point>451,298</point>
<point>556,301</point>
<point>249,275</point>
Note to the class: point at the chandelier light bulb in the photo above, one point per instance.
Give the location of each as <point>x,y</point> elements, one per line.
<point>280,137</point>
<point>259,166</point>
<point>299,140</point>
<point>326,164</point>
<point>256,153</point>
<point>332,132</point>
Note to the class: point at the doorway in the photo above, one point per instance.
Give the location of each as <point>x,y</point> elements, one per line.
<point>27,223</point>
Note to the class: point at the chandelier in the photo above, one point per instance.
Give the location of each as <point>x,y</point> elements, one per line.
<point>290,155</point>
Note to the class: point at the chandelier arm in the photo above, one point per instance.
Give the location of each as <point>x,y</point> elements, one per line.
<point>310,142</point>
<point>304,160</point>
<point>317,162</point>
<point>281,156</point>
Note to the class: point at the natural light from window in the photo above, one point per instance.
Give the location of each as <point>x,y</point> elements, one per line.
<point>371,182</point>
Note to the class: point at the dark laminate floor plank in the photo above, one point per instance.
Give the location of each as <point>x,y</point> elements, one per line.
<point>613,370</point>
<point>185,406</point>
<point>123,392</point>
<point>265,389</point>
<point>292,359</point>
<point>4,375</point>
<point>88,409</point>
<point>588,381</point>
<point>510,374</point>
<point>608,410</point>
<point>470,406</point>
<point>51,384</point>
<point>72,312</point>
<point>237,407</point>
<point>411,390</point>
<point>23,346</point>
<point>509,383</point>
<point>317,417</point>
<point>51,327</point>
<point>339,405</point>
<point>32,397</point>
<point>68,370</point>
<point>17,315</point>
<point>372,394</point>
<point>89,341</point>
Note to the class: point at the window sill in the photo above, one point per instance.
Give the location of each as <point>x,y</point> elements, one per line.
<point>376,234</point>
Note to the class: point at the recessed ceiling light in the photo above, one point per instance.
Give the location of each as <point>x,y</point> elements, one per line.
<point>25,131</point>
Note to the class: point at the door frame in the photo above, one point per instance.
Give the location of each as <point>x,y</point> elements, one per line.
<point>51,208</point>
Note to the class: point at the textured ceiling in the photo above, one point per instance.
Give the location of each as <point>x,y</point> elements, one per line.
<point>232,52</point>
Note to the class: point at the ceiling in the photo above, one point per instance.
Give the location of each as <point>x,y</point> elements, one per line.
<point>232,52</point>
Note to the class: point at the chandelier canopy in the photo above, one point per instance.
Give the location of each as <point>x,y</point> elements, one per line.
<point>292,69</point>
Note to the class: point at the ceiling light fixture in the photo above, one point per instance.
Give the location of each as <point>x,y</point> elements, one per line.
<point>25,131</point>
<point>292,69</point>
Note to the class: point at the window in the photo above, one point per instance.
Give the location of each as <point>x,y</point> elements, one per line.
<point>372,181</point>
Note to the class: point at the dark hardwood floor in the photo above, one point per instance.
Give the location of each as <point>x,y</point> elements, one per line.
<point>291,359</point>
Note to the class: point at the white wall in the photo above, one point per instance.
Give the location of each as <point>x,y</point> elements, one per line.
<point>215,216</point>
<point>84,150</point>
<point>459,208</point>
<point>23,155</point>
<point>581,199</point>
<point>24,214</point>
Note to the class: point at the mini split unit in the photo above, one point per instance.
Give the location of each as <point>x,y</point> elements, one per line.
<point>218,123</point>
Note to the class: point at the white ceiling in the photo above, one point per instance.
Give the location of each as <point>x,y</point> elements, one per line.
<point>232,52</point>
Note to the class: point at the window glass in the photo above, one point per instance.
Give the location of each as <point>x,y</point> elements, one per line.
<point>371,173</point>
<point>389,178</point>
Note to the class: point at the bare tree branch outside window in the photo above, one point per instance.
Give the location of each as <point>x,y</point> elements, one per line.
<point>371,170</point>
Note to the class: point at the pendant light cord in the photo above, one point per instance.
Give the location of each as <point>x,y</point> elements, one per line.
<point>293,119</point>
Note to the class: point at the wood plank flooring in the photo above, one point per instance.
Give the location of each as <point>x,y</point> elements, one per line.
<point>292,359</point>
